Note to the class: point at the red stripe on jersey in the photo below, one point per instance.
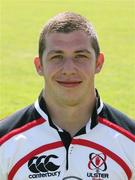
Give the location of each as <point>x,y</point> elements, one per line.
<point>106,151</point>
<point>21,129</point>
<point>39,150</point>
<point>117,128</point>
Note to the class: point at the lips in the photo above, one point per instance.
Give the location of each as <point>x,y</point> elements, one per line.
<point>69,84</point>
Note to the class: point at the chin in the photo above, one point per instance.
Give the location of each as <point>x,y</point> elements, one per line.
<point>70,101</point>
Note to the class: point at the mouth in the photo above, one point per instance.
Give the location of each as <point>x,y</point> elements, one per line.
<point>69,84</point>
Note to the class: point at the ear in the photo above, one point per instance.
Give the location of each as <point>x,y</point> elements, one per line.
<point>38,66</point>
<point>99,63</point>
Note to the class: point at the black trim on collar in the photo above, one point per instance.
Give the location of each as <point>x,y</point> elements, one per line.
<point>43,106</point>
<point>94,117</point>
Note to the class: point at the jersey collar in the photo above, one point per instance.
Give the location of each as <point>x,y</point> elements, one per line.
<point>41,108</point>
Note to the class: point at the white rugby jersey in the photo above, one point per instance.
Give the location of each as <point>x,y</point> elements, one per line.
<point>33,148</point>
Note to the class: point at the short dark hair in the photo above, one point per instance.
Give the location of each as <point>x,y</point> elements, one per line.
<point>67,22</point>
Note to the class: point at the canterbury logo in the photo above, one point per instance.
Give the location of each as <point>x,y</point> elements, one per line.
<point>42,164</point>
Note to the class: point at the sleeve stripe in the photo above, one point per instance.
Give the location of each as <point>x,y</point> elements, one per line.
<point>21,129</point>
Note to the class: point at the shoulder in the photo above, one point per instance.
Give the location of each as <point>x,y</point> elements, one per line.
<point>18,119</point>
<point>118,118</point>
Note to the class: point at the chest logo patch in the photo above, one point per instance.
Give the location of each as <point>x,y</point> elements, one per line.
<point>43,166</point>
<point>97,166</point>
<point>97,162</point>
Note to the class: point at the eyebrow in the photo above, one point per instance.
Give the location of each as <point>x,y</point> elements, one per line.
<point>83,51</point>
<point>55,52</point>
<point>61,52</point>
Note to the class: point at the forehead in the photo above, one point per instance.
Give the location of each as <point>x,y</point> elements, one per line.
<point>71,41</point>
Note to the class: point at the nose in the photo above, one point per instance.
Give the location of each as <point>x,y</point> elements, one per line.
<point>69,67</point>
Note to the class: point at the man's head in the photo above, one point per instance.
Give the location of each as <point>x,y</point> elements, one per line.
<point>65,23</point>
<point>69,58</point>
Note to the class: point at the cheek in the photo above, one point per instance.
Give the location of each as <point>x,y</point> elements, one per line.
<point>50,71</point>
<point>88,69</point>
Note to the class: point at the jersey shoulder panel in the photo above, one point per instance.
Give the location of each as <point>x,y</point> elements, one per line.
<point>18,119</point>
<point>118,118</point>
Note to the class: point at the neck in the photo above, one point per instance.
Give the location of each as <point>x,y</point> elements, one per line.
<point>71,118</point>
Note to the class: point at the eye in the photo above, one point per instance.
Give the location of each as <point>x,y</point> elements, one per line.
<point>57,57</point>
<point>81,56</point>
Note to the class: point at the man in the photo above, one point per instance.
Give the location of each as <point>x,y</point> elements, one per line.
<point>69,133</point>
